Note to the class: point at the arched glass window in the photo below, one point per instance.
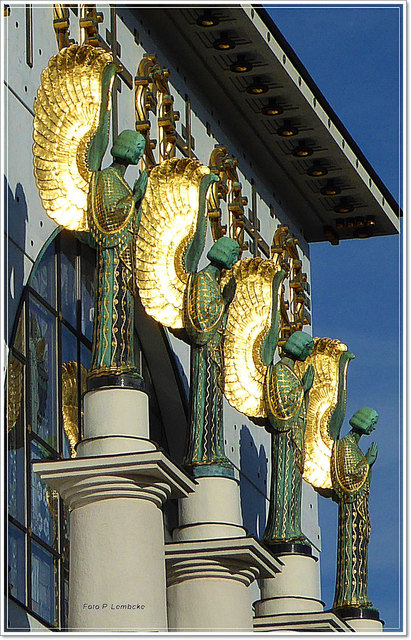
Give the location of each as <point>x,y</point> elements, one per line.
<point>49,355</point>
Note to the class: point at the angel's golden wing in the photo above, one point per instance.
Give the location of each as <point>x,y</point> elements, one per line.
<point>170,211</point>
<point>249,319</point>
<point>14,391</point>
<point>66,117</point>
<point>70,402</point>
<point>322,403</point>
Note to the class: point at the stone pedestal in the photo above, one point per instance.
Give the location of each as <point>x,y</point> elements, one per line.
<point>295,590</point>
<point>115,421</point>
<point>320,622</point>
<point>115,490</point>
<point>212,562</point>
<point>212,511</point>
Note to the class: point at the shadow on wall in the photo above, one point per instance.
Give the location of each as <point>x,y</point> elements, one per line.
<point>16,224</point>
<point>253,484</point>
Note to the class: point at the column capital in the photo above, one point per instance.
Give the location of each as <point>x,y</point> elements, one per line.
<point>147,475</point>
<point>242,559</point>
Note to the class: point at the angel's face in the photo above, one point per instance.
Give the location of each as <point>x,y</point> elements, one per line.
<point>307,349</point>
<point>224,253</point>
<point>371,426</point>
<point>129,147</point>
<point>233,255</point>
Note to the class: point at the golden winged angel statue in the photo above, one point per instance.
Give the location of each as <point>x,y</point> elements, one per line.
<point>169,246</point>
<point>300,399</point>
<point>272,395</point>
<point>336,467</point>
<point>71,133</point>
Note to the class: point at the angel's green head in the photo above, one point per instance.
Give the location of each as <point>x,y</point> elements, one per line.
<point>364,420</point>
<point>299,345</point>
<point>129,147</point>
<point>224,253</point>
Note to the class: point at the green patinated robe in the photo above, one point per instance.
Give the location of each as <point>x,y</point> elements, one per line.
<point>284,397</point>
<point>350,474</point>
<point>204,321</point>
<point>113,222</point>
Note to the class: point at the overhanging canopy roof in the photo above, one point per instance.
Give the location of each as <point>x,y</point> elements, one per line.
<point>257,46</point>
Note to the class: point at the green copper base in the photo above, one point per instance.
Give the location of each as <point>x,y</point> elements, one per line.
<point>298,547</point>
<point>120,381</point>
<point>209,470</point>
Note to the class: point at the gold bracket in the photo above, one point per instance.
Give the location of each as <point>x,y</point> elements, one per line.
<point>89,20</point>
<point>228,189</point>
<point>294,313</point>
<point>153,95</point>
<point>61,24</point>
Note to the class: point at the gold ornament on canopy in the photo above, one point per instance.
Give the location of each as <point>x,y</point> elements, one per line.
<point>153,95</point>
<point>228,188</point>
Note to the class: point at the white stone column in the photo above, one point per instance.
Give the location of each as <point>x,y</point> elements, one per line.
<point>115,489</point>
<point>296,589</point>
<point>211,562</point>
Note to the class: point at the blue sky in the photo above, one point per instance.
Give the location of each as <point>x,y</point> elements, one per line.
<point>353,54</point>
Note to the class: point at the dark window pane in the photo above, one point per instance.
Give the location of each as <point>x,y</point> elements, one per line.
<point>44,583</point>
<point>85,356</point>
<point>44,502</point>
<point>42,347</point>
<point>68,346</point>
<point>68,278</point>
<point>19,342</point>
<point>44,278</point>
<point>65,543</point>
<point>15,424</point>
<point>88,264</point>
<point>65,601</point>
<point>17,563</point>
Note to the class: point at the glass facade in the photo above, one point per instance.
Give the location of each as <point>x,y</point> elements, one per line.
<point>51,331</point>
<point>52,341</point>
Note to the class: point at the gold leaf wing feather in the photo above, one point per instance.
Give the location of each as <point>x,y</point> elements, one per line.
<point>249,319</point>
<point>66,117</point>
<point>69,375</point>
<point>170,210</point>
<point>323,398</point>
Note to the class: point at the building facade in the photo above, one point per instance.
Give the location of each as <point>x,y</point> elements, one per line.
<point>230,92</point>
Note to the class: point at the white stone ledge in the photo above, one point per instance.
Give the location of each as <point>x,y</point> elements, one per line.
<point>246,550</point>
<point>297,622</point>
<point>150,466</point>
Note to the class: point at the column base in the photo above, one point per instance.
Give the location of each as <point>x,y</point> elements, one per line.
<point>208,580</point>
